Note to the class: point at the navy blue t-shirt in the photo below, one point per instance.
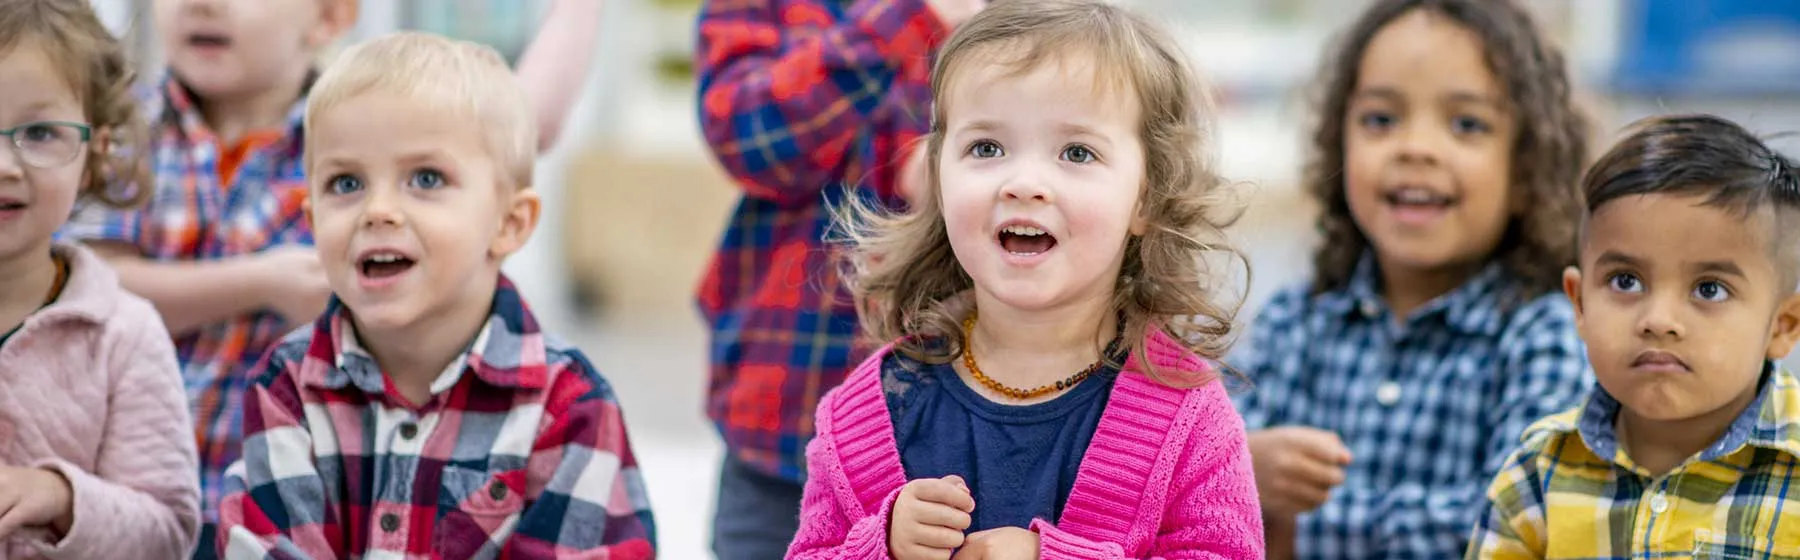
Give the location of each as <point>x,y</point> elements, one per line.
<point>1020,461</point>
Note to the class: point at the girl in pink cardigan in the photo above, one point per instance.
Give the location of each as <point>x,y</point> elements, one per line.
<point>1050,393</point>
<point>97,452</point>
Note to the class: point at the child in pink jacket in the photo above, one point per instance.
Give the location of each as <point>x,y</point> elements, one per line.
<point>97,454</point>
<point>1050,392</point>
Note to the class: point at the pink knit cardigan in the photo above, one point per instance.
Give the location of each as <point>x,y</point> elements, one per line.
<point>1167,474</point>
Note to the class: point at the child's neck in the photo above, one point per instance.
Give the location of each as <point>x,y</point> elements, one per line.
<point>1661,445</point>
<point>414,356</point>
<point>1406,289</point>
<point>232,118</point>
<point>1028,349</point>
<point>30,276</point>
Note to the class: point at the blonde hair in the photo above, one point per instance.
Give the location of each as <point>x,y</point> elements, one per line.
<point>907,282</point>
<point>465,79</point>
<point>95,67</point>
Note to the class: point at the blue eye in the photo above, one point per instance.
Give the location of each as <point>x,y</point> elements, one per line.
<point>1078,154</point>
<point>985,149</point>
<point>343,184</point>
<point>1376,120</point>
<point>1625,282</point>
<point>427,179</point>
<point>1469,125</point>
<point>1712,290</point>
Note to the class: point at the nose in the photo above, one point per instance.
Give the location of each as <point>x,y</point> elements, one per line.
<point>1419,141</point>
<point>1660,320</point>
<point>11,167</point>
<point>1027,183</point>
<point>382,208</point>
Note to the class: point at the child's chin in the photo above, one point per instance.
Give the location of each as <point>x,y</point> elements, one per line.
<point>383,315</point>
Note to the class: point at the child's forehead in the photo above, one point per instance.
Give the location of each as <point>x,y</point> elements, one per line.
<point>1677,228</point>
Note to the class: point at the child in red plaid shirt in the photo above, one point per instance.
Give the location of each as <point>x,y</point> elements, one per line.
<point>425,413</point>
<point>806,103</point>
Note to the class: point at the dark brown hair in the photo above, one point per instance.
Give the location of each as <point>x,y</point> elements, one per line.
<point>97,70</point>
<point>1702,155</point>
<point>1547,155</point>
<point>908,284</point>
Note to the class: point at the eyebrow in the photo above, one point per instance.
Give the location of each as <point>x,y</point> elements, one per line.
<point>1386,93</point>
<point>1619,259</point>
<point>1723,268</point>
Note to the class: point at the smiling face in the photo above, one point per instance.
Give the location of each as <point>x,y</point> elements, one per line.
<point>41,165</point>
<point>411,216</point>
<point>1679,304</point>
<point>1427,147</point>
<point>237,48</point>
<point>1041,172</point>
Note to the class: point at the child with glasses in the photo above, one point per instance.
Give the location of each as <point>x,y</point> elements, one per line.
<point>96,449</point>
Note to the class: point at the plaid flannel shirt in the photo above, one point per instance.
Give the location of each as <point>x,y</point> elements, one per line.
<point>521,452</point>
<point>1571,492</point>
<point>805,103</point>
<point>194,216</point>
<point>1429,407</point>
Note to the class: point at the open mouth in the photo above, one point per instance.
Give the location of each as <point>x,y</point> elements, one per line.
<point>384,264</point>
<point>1021,239</point>
<point>208,40</point>
<point>1419,198</point>
<point>7,205</point>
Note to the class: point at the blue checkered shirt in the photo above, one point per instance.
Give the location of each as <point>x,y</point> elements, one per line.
<point>1429,407</point>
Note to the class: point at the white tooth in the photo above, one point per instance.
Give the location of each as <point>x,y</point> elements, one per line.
<point>1023,230</point>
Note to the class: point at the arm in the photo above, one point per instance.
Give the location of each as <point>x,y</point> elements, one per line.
<point>1543,371</point>
<point>784,89</point>
<point>276,505</point>
<point>142,499</point>
<point>583,443</point>
<point>192,293</point>
<point>1212,511</point>
<point>828,532</point>
<point>1512,525</point>
<point>555,66</point>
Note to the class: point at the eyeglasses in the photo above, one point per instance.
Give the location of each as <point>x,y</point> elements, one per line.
<point>47,144</point>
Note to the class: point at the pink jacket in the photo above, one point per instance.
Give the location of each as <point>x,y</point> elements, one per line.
<point>1166,476</point>
<point>90,388</point>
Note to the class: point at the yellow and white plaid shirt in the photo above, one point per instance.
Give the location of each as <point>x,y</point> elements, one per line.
<point>1571,493</point>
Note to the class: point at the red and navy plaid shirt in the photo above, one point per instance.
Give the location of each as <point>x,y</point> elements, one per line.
<point>520,452</point>
<point>196,215</point>
<point>805,103</point>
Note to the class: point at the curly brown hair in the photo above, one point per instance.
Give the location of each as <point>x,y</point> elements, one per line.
<point>908,284</point>
<point>1547,156</point>
<point>97,70</point>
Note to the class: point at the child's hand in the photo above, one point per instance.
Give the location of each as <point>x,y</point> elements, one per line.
<point>1296,467</point>
<point>1005,543</point>
<point>929,518</point>
<point>34,498</point>
<point>954,12</point>
<point>297,287</point>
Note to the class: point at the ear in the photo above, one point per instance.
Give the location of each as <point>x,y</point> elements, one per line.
<point>1572,288</point>
<point>1786,328</point>
<point>335,18</point>
<point>517,224</point>
<point>306,209</point>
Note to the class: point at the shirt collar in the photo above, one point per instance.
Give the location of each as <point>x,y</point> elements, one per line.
<point>1768,421</point>
<point>508,352</point>
<point>1474,307</point>
<point>182,107</point>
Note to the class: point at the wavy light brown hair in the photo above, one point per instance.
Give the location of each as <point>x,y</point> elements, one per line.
<point>95,67</point>
<point>908,284</point>
<point>1547,156</point>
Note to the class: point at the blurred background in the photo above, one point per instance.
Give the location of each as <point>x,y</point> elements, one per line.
<point>634,203</point>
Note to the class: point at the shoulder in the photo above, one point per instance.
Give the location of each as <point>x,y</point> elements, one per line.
<point>1542,324</point>
<point>1287,306</point>
<point>860,397</point>
<point>573,379</point>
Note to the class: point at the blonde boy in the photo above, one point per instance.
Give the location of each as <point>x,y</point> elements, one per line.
<point>425,413</point>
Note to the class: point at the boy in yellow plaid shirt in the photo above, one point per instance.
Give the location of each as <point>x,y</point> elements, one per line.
<point>1685,297</point>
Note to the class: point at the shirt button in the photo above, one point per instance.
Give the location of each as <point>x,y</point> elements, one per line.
<point>1658,503</point>
<point>1388,393</point>
<point>408,430</point>
<point>390,522</point>
<point>1369,309</point>
<point>497,491</point>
